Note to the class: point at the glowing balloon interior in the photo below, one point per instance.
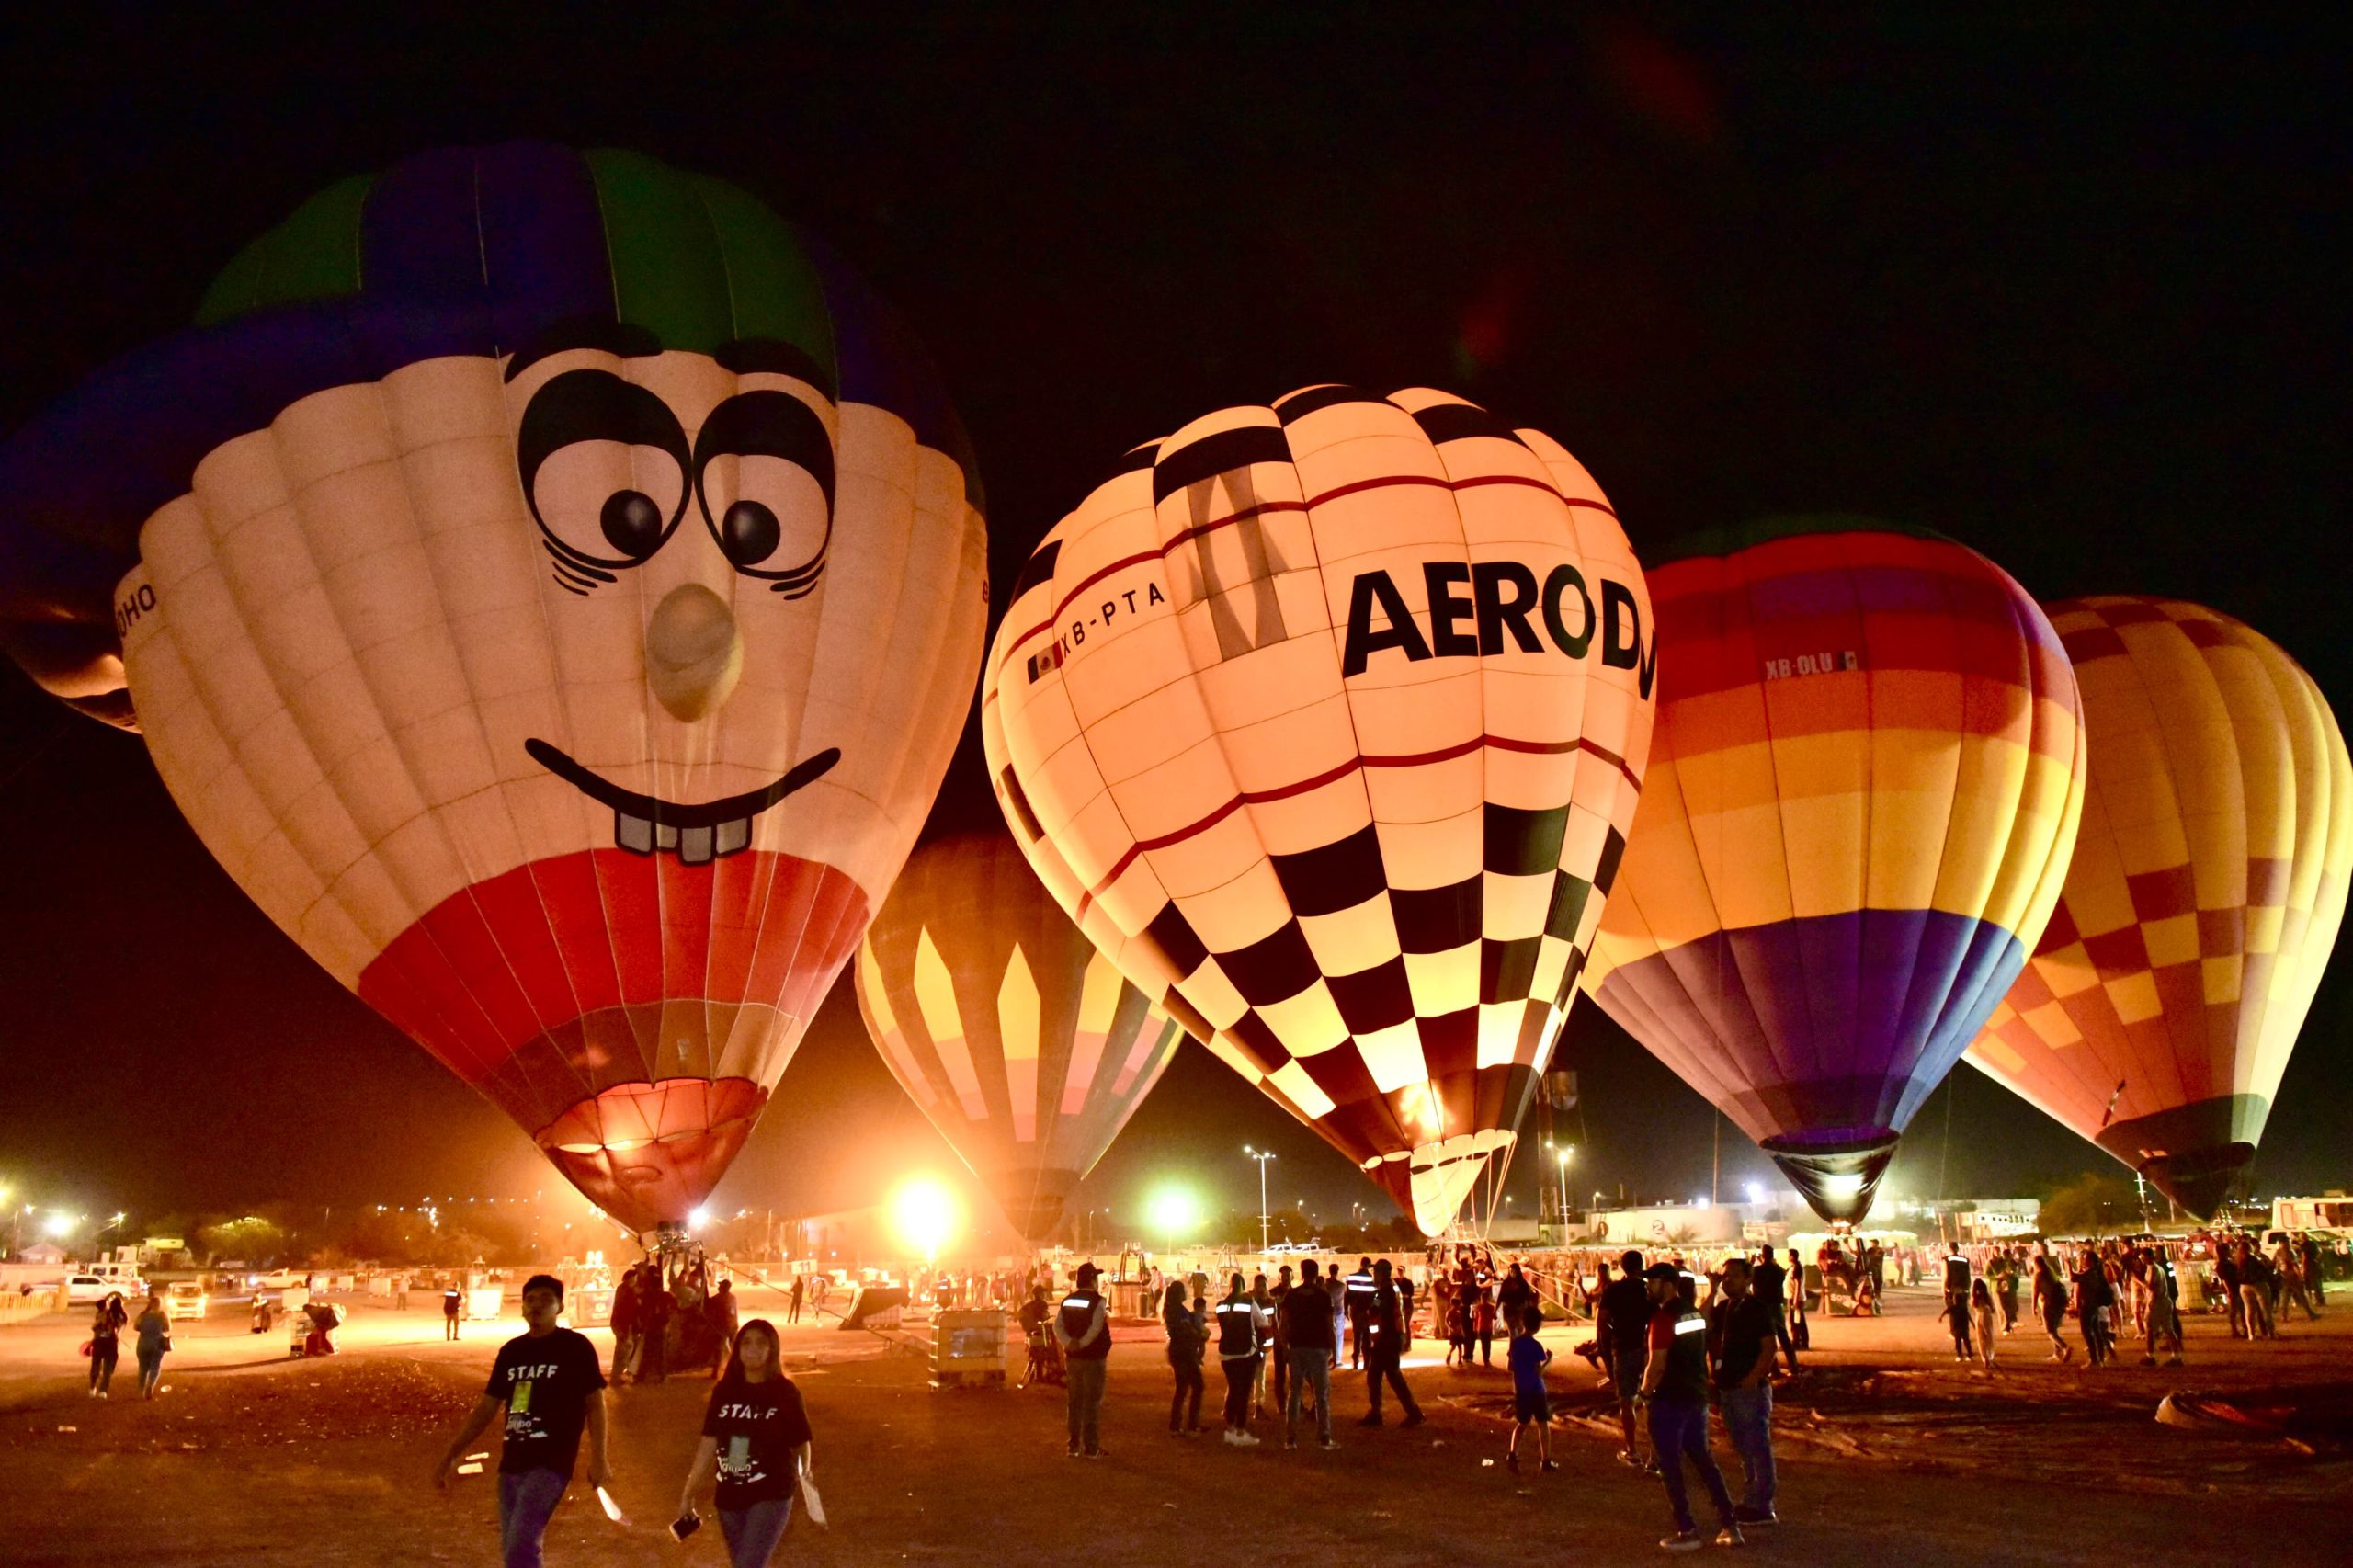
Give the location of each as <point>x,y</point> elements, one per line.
<point>2206,889</point>
<point>1326,719</point>
<point>551,589</point>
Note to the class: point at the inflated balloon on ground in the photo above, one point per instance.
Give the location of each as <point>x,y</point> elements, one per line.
<point>2206,892</point>
<point>551,587</point>
<point>1329,717</point>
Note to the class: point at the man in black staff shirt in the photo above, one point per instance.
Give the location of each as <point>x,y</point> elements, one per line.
<point>1306,1319</point>
<point>1739,1343</point>
<point>1083,1329</point>
<point>1622,1323</point>
<point>548,1384</point>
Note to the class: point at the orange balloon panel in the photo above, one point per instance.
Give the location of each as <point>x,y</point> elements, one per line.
<point>2208,885</point>
<point>1025,1046</point>
<point>1331,716</point>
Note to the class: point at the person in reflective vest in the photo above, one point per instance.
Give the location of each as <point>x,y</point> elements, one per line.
<point>1675,1382</point>
<point>1360,1297</point>
<point>1083,1329</point>
<point>1388,1331</point>
<point>1239,1343</point>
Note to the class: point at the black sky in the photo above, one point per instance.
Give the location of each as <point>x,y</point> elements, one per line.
<point>2065,283</point>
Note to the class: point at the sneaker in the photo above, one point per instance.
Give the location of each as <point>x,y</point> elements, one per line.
<point>1228,1434</point>
<point>1073,1451</point>
<point>1551,1465</point>
<point>1683,1541</point>
<point>1095,1453</point>
<point>1747,1516</point>
<point>1729,1536</point>
<point>1290,1444</point>
<point>1326,1443</point>
<point>1626,1457</point>
<point>1244,1440</point>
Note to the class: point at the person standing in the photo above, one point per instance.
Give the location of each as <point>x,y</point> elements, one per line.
<point>656,1306</point>
<point>2093,1297</point>
<point>2164,1310</point>
<point>2308,1258</point>
<point>1482,1323</point>
<point>1264,1304</point>
<point>1675,1383</point>
<point>624,1324</point>
<point>2005,1272</point>
<point>154,1331</point>
<point>1238,1348</point>
<point>2254,1292</point>
<point>1360,1300</point>
<point>1307,1325</point>
<point>453,1304</point>
<point>720,1311</point>
<point>1083,1329</point>
<point>2287,1269</point>
<point>1739,1343</point>
<point>1981,1320</point>
<point>792,1307</point>
<point>2050,1305</point>
<point>1185,1337</point>
<point>1621,1324</point>
<point>549,1384</point>
<point>106,1343</point>
<point>1955,1314</point>
<point>1389,1333</point>
<point>1532,1403</point>
<point>1278,1338</point>
<point>756,1441</point>
<point>1768,1282</point>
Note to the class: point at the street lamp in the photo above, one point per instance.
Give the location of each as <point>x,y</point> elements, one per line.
<point>1565,1154</point>
<point>1262,1159</point>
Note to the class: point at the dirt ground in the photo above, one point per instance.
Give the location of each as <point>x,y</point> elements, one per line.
<point>1889,1453</point>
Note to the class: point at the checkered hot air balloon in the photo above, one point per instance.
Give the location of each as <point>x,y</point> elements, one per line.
<point>2207,887</point>
<point>1327,718</point>
<point>551,586</point>
<point>1021,1041</point>
<point>1863,787</point>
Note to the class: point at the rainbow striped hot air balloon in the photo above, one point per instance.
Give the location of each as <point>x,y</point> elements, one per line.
<point>1864,783</point>
<point>2206,892</point>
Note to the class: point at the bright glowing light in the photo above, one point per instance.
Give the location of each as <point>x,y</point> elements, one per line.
<point>1756,1192</point>
<point>698,1219</point>
<point>1842,1184</point>
<point>57,1225</point>
<point>1174,1210</point>
<point>1565,1154</point>
<point>926,1212</point>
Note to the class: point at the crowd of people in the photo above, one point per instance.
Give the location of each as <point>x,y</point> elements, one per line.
<point>669,1316</point>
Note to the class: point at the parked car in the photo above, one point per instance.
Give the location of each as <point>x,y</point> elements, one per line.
<point>185,1298</point>
<point>90,1288</point>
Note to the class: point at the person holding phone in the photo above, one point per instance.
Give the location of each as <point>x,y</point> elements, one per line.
<point>756,1437</point>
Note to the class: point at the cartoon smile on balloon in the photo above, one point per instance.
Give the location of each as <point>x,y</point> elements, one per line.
<point>551,587</point>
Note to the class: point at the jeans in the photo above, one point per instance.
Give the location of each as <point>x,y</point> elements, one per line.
<point>752,1533</point>
<point>102,1361</point>
<point>1310,1371</point>
<point>1781,1333</point>
<point>1086,1403</point>
<point>1241,1375</point>
<point>1680,1431</point>
<point>150,1369</point>
<point>1381,1364</point>
<point>1748,1420</point>
<point>1278,1372</point>
<point>1185,1403</point>
<point>527,1500</point>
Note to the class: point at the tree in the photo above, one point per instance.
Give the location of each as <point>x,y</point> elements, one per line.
<point>2092,1203</point>
<point>257,1240</point>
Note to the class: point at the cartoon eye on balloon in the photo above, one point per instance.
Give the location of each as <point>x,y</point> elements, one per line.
<point>391,564</point>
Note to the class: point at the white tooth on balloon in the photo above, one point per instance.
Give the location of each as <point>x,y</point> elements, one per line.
<point>632,834</point>
<point>734,836</point>
<point>665,835</point>
<point>693,845</point>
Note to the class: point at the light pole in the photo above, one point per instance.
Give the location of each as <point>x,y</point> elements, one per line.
<point>1566,1153</point>
<point>1262,1159</point>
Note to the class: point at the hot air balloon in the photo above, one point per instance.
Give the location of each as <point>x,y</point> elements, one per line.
<point>1864,784</point>
<point>1334,712</point>
<point>1024,1045</point>
<point>2207,887</point>
<point>551,586</point>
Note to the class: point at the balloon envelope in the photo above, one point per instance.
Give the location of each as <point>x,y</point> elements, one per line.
<point>2206,892</point>
<point>1334,712</point>
<point>1865,778</point>
<point>550,586</point>
<point>1024,1045</point>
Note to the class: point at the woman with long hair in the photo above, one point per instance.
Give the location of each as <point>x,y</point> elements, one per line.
<point>154,1329</point>
<point>2050,1305</point>
<point>106,1342</point>
<point>756,1436</point>
<point>1187,1335</point>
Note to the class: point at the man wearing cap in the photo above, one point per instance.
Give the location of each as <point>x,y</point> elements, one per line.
<point>1083,1329</point>
<point>549,1384</point>
<point>1675,1383</point>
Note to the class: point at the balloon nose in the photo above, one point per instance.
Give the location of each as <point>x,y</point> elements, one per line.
<point>694,652</point>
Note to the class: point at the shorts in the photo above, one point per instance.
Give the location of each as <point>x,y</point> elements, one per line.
<point>1536,1407</point>
<point>1626,1370</point>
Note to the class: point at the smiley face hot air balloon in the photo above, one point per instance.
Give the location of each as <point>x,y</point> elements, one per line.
<point>1024,1044</point>
<point>550,587</point>
<point>1331,716</point>
<point>2206,891</point>
<point>1864,783</point>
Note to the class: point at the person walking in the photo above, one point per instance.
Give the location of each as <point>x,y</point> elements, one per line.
<point>1307,1325</point>
<point>1185,1337</point>
<point>2308,1260</point>
<point>154,1331</point>
<point>1532,1403</point>
<point>550,1385</point>
<point>1083,1329</point>
<point>2287,1269</point>
<point>793,1305</point>
<point>453,1302</point>
<point>755,1441</point>
<point>2050,1305</point>
<point>1675,1385</point>
<point>1621,1326</point>
<point>1981,1320</point>
<point>106,1342</point>
<point>1740,1350</point>
<point>1238,1350</point>
<point>720,1311</point>
<point>2005,1273</point>
<point>2092,1297</point>
<point>1389,1333</point>
<point>2164,1310</point>
<point>1955,1315</point>
<point>1360,1289</point>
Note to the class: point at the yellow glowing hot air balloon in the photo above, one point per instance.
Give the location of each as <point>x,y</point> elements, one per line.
<point>2205,894</point>
<point>1327,720</point>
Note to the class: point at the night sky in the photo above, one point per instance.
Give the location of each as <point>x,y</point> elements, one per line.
<point>2070,290</point>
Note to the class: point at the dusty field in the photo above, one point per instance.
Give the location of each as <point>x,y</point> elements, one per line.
<point>1890,1454</point>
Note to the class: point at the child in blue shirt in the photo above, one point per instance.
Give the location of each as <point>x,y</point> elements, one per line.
<point>1531,1406</point>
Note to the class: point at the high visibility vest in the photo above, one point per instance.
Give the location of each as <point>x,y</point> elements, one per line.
<point>1359,1290</point>
<point>1237,1329</point>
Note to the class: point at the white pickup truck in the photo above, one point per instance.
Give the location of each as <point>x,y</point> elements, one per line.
<point>95,1283</point>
